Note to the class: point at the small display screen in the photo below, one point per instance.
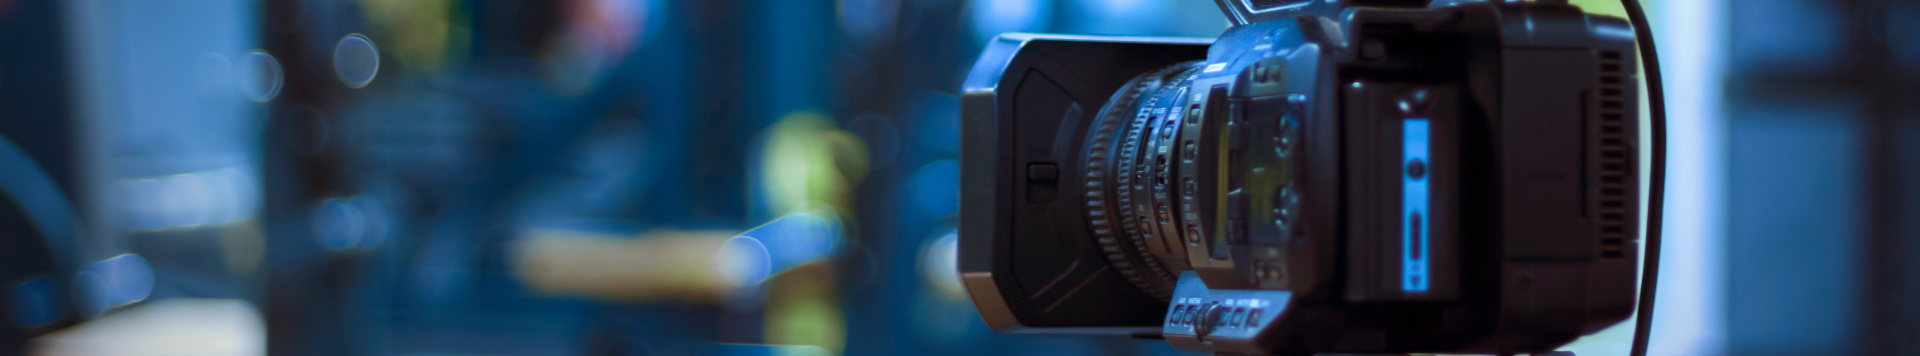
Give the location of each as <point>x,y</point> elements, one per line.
<point>1414,216</point>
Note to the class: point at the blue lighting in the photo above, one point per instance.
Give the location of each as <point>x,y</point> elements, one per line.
<point>991,18</point>
<point>745,261</point>
<point>113,282</point>
<point>27,185</point>
<point>34,303</point>
<point>356,60</point>
<point>1413,207</point>
<point>935,188</point>
<point>797,239</point>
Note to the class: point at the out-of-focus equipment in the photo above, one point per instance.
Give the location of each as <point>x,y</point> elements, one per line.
<point>1360,176</point>
<point>698,266</point>
<point>37,225</point>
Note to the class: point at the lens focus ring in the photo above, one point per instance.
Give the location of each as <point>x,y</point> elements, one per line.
<point>1125,120</point>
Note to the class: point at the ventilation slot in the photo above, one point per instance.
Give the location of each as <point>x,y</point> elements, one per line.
<point>1614,159</point>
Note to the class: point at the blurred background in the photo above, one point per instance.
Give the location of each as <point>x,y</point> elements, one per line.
<point>670,177</point>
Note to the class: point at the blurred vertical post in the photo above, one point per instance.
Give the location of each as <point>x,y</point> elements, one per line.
<point>1689,314</point>
<point>1891,318</point>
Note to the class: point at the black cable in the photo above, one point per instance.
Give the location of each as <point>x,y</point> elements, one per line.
<point>1643,325</point>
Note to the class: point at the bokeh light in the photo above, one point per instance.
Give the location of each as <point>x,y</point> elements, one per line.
<point>34,302</point>
<point>91,294</point>
<point>260,76</point>
<point>940,265</point>
<point>113,282</point>
<point>744,261</point>
<point>868,20</point>
<point>189,200</point>
<point>338,224</point>
<point>349,223</point>
<point>935,188</point>
<point>990,18</point>
<point>806,162</point>
<point>1117,15</point>
<point>799,238</point>
<point>131,277</point>
<point>355,60</point>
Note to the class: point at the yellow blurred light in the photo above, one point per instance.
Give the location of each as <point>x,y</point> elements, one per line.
<point>425,35</point>
<point>671,265</point>
<point>802,309</point>
<point>807,161</point>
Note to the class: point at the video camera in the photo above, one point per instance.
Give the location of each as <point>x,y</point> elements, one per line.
<point>1353,176</point>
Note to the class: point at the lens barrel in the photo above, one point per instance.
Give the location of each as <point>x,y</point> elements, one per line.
<point>1131,159</point>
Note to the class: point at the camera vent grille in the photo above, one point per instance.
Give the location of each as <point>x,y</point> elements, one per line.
<point>1615,159</point>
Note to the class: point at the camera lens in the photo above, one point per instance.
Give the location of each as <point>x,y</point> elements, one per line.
<point>1138,151</point>
<point>1128,167</point>
<point>1137,193</point>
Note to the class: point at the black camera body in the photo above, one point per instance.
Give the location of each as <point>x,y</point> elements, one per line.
<point>1354,176</point>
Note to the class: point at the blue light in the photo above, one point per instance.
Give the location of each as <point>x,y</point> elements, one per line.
<point>794,240</point>
<point>356,60</point>
<point>34,303</point>
<point>938,120</point>
<point>114,282</point>
<point>991,18</point>
<point>91,295</point>
<point>868,20</point>
<point>130,276</point>
<point>1121,17</point>
<point>28,186</point>
<point>1690,314</point>
<point>260,76</point>
<point>338,224</point>
<point>1413,207</point>
<point>745,261</point>
<point>935,188</point>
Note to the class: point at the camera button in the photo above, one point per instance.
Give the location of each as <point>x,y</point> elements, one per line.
<point>1207,319</point>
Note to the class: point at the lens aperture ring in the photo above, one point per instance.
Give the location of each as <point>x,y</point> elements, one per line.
<point>1099,219</point>
<point>1156,172</point>
<point>1152,211</point>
